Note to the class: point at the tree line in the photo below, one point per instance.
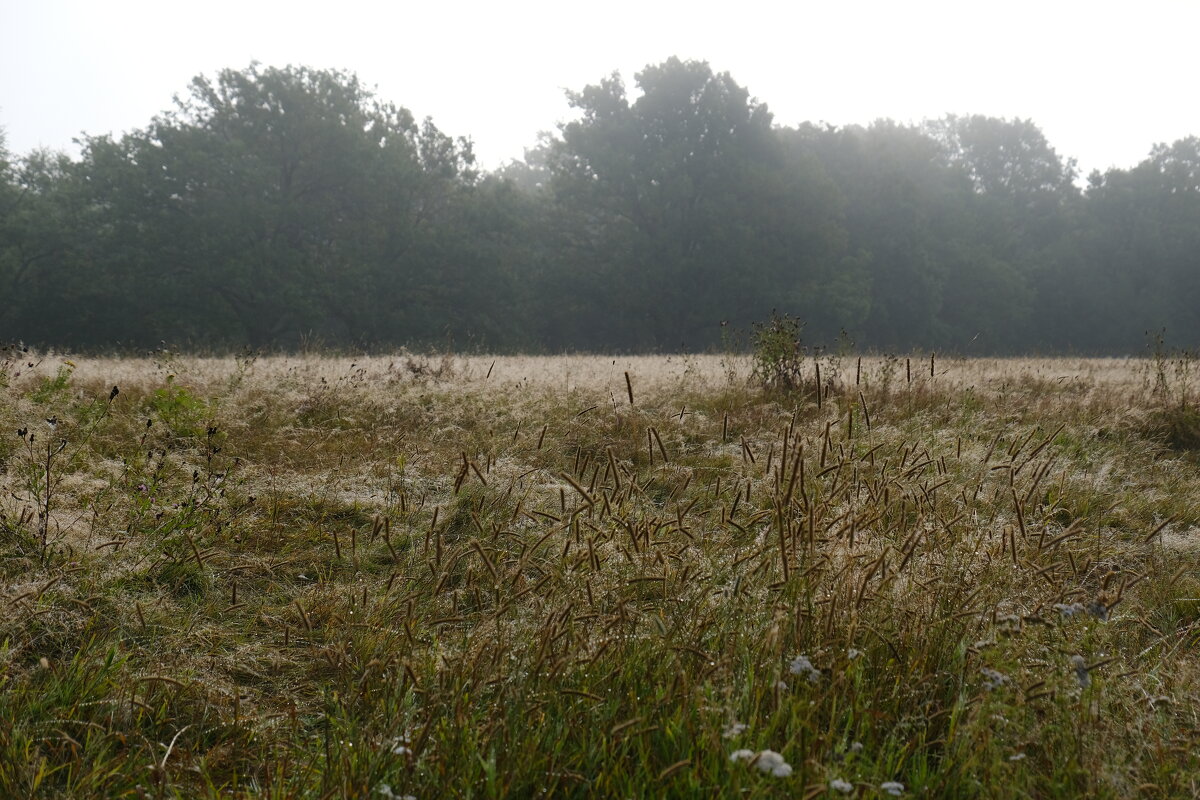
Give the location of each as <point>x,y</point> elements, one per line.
<point>280,208</point>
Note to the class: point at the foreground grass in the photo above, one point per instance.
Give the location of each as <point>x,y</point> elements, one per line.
<point>319,578</point>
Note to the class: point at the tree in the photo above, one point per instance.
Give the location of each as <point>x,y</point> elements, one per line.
<point>1140,238</point>
<point>289,201</point>
<point>43,222</point>
<point>1004,157</point>
<point>684,211</point>
<point>1024,209</point>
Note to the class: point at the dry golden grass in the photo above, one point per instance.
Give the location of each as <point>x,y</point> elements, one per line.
<point>588,576</point>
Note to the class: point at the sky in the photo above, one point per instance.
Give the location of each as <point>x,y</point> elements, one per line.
<point>1104,81</point>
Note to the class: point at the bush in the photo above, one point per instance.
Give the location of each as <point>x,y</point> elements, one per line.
<point>778,352</point>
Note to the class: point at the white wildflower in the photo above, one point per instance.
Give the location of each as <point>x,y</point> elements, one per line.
<point>802,666</point>
<point>1069,610</point>
<point>782,686</point>
<point>856,747</point>
<point>399,745</point>
<point>894,788</point>
<point>853,653</point>
<point>386,790</point>
<point>1081,671</point>
<point>1017,757</point>
<point>993,679</point>
<point>839,785</point>
<point>772,762</point>
<point>765,760</point>
<point>734,729</point>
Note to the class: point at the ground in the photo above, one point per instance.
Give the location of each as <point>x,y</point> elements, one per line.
<point>585,576</point>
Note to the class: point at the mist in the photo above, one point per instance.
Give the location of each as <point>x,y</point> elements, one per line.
<point>278,208</point>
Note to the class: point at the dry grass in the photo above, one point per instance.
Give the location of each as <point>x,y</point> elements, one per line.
<point>586,576</point>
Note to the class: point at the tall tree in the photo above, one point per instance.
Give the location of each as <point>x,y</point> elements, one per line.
<point>685,210</point>
<point>42,225</point>
<point>1023,210</point>
<point>1141,247</point>
<point>284,195</point>
<point>908,219</point>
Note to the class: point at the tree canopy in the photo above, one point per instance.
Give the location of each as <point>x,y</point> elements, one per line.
<point>281,207</point>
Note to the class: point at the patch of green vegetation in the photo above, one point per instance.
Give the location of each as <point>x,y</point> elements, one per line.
<point>975,596</point>
<point>179,408</point>
<point>779,354</point>
<point>50,390</point>
<point>1178,428</point>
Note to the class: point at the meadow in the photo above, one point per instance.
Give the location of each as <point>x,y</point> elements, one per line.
<point>433,576</point>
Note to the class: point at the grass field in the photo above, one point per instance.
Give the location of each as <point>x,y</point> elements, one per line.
<point>582,576</point>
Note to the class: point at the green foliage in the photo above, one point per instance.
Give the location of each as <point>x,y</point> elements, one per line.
<point>670,195</point>
<point>778,353</point>
<point>278,207</point>
<point>50,390</point>
<point>468,592</point>
<point>182,411</point>
<point>1178,427</point>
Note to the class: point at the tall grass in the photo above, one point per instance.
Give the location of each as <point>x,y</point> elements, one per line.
<point>594,577</point>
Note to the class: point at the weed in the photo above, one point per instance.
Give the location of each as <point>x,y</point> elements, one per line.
<point>181,410</point>
<point>51,389</point>
<point>779,354</point>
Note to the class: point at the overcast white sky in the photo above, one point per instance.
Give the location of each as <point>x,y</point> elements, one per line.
<point>1104,81</point>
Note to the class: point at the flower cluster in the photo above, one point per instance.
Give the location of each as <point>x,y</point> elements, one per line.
<point>802,666</point>
<point>1081,671</point>
<point>765,760</point>
<point>993,679</point>
<point>1069,610</point>
<point>400,745</point>
<point>734,729</point>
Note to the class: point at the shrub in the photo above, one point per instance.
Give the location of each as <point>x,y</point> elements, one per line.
<point>778,352</point>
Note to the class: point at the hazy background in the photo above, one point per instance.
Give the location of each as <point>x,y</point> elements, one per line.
<point>891,176</point>
<point>1103,83</point>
